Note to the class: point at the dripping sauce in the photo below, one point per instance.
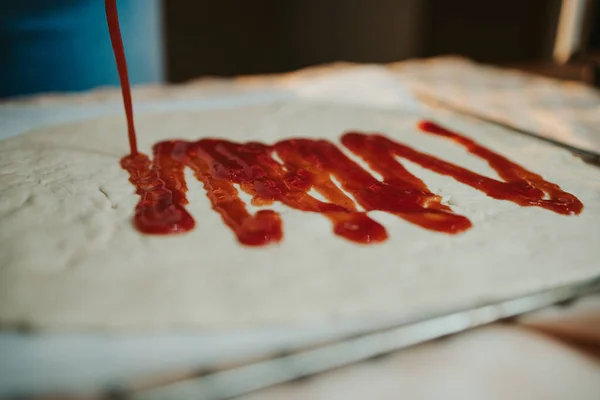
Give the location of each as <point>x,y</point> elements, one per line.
<point>116,40</point>
<point>307,165</point>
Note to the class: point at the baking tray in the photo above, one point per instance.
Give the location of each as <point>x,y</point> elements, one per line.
<point>225,382</point>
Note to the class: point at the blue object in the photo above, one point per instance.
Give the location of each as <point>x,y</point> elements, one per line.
<point>64,45</point>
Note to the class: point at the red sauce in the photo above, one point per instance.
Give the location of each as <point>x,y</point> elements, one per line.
<point>112,17</point>
<point>308,164</point>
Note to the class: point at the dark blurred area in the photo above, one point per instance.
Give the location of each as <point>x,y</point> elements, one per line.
<point>179,40</point>
<point>266,36</point>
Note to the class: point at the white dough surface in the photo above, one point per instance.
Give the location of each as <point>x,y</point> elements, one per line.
<point>70,258</point>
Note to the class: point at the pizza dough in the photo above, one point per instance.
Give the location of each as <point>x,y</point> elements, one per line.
<point>71,259</point>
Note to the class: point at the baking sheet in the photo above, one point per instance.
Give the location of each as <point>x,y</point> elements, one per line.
<point>112,359</point>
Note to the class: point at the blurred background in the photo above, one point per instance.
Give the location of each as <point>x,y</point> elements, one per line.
<point>63,45</point>
<point>237,37</point>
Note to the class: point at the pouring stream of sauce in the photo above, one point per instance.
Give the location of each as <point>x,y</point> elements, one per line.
<point>112,17</point>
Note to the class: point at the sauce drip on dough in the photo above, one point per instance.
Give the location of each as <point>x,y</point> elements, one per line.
<point>307,164</point>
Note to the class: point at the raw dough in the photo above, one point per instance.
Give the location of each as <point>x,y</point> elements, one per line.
<point>71,259</point>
